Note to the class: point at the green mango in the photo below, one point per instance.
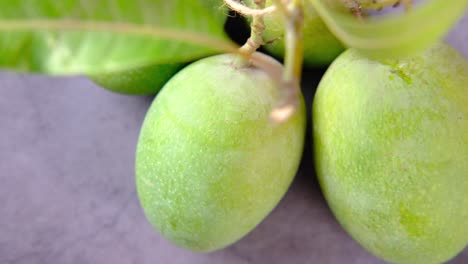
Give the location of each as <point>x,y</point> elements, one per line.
<point>321,47</point>
<point>139,81</point>
<point>210,165</point>
<point>391,152</point>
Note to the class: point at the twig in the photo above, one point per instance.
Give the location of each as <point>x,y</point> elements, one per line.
<point>247,11</point>
<point>256,33</point>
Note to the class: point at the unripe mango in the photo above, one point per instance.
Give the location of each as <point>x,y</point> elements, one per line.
<point>210,165</point>
<point>391,152</point>
<point>139,81</point>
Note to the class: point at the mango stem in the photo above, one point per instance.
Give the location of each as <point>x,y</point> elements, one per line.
<point>293,61</point>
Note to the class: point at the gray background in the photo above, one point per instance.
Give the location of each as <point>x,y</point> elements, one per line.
<point>67,192</point>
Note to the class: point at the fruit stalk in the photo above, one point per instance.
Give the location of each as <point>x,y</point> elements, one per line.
<point>234,5</point>
<point>294,43</point>
<point>293,15</point>
<point>256,34</point>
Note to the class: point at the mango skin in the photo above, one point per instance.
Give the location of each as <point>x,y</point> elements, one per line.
<point>321,47</point>
<point>140,81</point>
<point>210,165</point>
<point>391,152</point>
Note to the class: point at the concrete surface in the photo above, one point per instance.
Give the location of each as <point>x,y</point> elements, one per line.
<point>67,192</point>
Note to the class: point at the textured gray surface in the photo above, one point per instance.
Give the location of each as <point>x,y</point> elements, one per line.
<point>67,192</point>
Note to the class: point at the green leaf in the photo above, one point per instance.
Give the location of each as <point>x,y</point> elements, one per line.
<point>392,35</point>
<point>103,36</point>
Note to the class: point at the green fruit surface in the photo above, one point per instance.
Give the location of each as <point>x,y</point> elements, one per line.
<point>140,81</point>
<point>321,47</point>
<point>391,152</point>
<point>210,165</point>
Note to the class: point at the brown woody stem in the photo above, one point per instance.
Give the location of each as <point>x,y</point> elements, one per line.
<point>256,34</point>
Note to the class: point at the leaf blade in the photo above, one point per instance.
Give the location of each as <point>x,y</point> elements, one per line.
<point>394,36</point>
<point>78,37</point>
